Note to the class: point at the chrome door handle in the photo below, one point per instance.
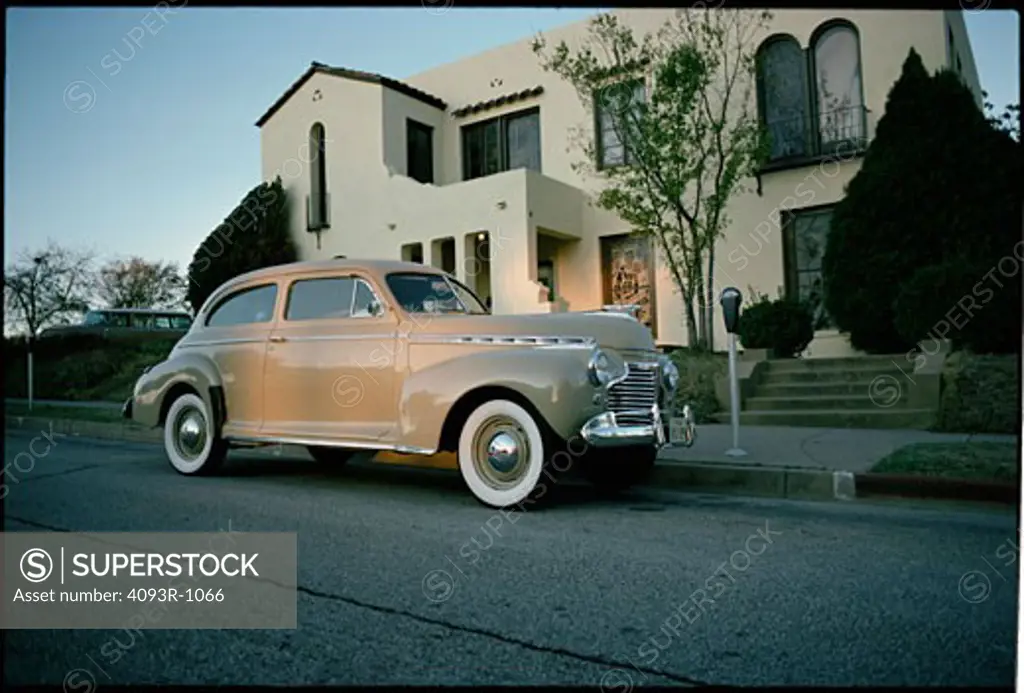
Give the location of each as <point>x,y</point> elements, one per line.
<point>277,338</point>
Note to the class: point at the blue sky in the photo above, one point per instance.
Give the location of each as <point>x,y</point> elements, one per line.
<point>168,145</point>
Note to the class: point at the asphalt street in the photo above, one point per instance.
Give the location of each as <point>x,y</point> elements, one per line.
<point>405,579</point>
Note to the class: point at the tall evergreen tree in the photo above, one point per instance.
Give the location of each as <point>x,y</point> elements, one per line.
<point>932,192</point>
<point>254,235</point>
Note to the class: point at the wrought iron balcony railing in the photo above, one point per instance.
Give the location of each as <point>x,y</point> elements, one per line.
<point>839,131</point>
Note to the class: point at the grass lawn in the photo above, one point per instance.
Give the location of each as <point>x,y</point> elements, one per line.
<point>975,460</point>
<point>42,411</point>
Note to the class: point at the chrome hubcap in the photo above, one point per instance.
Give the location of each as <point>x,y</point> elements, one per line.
<point>190,433</point>
<point>501,452</point>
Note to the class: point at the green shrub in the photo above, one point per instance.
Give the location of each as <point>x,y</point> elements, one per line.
<point>80,367</point>
<point>698,372</point>
<point>980,394</point>
<point>953,301</point>
<point>784,326</point>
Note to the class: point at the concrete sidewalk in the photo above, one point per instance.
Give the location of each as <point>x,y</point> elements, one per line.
<point>834,449</point>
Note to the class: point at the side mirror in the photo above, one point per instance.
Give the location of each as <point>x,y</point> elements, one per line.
<point>731,300</point>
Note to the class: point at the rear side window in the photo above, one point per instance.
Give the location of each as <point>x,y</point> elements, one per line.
<point>253,305</point>
<point>320,299</point>
<point>331,298</point>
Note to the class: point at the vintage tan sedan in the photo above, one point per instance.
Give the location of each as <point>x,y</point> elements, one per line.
<point>347,355</point>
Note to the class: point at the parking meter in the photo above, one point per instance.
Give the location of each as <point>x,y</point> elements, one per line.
<point>731,300</point>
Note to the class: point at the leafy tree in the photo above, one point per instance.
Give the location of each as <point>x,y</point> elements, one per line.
<point>136,283</point>
<point>931,191</point>
<point>254,235</point>
<point>47,287</point>
<point>689,143</point>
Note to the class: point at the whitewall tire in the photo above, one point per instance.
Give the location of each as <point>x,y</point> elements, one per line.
<point>501,453</point>
<point>190,439</point>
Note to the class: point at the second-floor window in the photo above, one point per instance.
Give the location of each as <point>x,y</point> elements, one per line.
<point>615,106</point>
<point>419,143</point>
<point>317,204</point>
<point>811,101</point>
<point>501,144</point>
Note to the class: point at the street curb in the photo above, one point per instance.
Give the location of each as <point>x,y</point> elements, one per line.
<point>106,430</point>
<point>905,485</point>
<point>796,484</point>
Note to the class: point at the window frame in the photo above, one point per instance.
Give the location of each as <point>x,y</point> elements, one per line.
<point>820,32</point>
<point>318,194</point>
<point>223,300</point>
<point>818,149</point>
<point>790,254</point>
<point>503,144</point>
<point>333,277</point>
<point>599,150</point>
<point>411,126</point>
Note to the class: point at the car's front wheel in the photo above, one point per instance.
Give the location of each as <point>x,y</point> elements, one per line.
<point>501,454</point>
<point>190,437</point>
<point>617,469</point>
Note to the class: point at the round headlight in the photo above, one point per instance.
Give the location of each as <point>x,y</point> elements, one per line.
<point>669,375</point>
<point>604,369</point>
<point>599,368</point>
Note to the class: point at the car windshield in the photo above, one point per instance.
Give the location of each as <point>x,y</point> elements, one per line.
<point>433,293</point>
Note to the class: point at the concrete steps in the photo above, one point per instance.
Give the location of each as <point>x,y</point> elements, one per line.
<point>869,392</point>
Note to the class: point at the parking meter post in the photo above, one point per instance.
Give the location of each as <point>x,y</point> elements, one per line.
<point>731,300</point>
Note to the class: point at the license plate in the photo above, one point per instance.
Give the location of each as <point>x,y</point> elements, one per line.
<point>677,433</point>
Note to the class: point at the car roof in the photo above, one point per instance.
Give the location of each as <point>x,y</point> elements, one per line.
<point>375,267</point>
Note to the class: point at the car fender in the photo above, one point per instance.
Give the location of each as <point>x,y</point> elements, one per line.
<point>552,379</point>
<point>197,372</point>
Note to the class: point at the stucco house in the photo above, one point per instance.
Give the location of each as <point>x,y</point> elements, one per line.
<point>467,166</point>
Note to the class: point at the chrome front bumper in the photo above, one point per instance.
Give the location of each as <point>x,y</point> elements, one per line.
<point>604,431</point>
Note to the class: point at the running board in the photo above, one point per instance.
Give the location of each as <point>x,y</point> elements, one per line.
<point>350,445</point>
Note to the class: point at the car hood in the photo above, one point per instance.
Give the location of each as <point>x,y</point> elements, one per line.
<point>611,330</point>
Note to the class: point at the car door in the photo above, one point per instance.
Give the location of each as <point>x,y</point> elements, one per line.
<point>328,374</point>
<point>234,335</point>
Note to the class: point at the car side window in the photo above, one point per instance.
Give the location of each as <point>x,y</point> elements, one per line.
<point>253,305</point>
<point>320,299</point>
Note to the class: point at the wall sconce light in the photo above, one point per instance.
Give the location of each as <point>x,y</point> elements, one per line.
<point>391,227</point>
<point>502,204</point>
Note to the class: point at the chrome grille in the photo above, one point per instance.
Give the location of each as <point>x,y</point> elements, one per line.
<point>639,391</point>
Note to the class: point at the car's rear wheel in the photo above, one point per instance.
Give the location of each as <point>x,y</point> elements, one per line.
<point>190,437</point>
<point>501,454</point>
<point>325,454</point>
<point>617,469</point>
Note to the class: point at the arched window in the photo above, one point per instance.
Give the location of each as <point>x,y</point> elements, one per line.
<point>782,88</point>
<point>839,97</point>
<point>317,208</point>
